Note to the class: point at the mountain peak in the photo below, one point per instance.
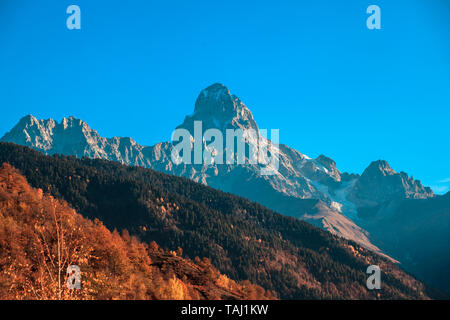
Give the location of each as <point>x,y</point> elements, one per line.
<point>327,162</point>
<point>380,166</point>
<point>31,132</point>
<point>217,108</point>
<point>29,118</point>
<point>215,99</point>
<point>216,87</point>
<point>380,183</point>
<point>73,121</point>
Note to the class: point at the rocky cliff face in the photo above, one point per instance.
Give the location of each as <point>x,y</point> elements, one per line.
<point>380,183</point>
<point>289,190</point>
<point>73,136</point>
<point>217,108</point>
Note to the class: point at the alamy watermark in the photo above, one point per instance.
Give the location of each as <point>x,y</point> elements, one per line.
<point>73,277</point>
<point>374,20</point>
<point>74,20</point>
<point>242,146</point>
<point>374,280</point>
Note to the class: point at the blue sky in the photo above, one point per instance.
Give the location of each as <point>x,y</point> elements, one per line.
<point>309,68</point>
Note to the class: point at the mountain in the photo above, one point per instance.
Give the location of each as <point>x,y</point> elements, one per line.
<point>299,177</point>
<point>406,220</point>
<point>380,183</point>
<point>242,239</point>
<point>416,231</point>
<point>217,108</point>
<point>73,136</point>
<point>41,236</point>
<point>313,190</point>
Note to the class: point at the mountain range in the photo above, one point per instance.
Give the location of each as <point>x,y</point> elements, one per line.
<point>356,207</point>
<point>245,241</point>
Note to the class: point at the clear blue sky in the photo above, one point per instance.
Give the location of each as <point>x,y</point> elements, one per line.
<point>310,68</point>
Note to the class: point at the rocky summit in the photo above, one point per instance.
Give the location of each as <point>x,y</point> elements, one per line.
<point>380,183</point>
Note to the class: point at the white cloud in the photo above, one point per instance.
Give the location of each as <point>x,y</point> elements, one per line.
<point>444,180</point>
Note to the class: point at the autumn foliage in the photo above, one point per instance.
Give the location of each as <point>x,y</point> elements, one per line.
<point>41,236</point>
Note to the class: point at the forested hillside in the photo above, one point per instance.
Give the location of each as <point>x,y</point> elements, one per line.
<point>244,240</point>
<point>41,236</point>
